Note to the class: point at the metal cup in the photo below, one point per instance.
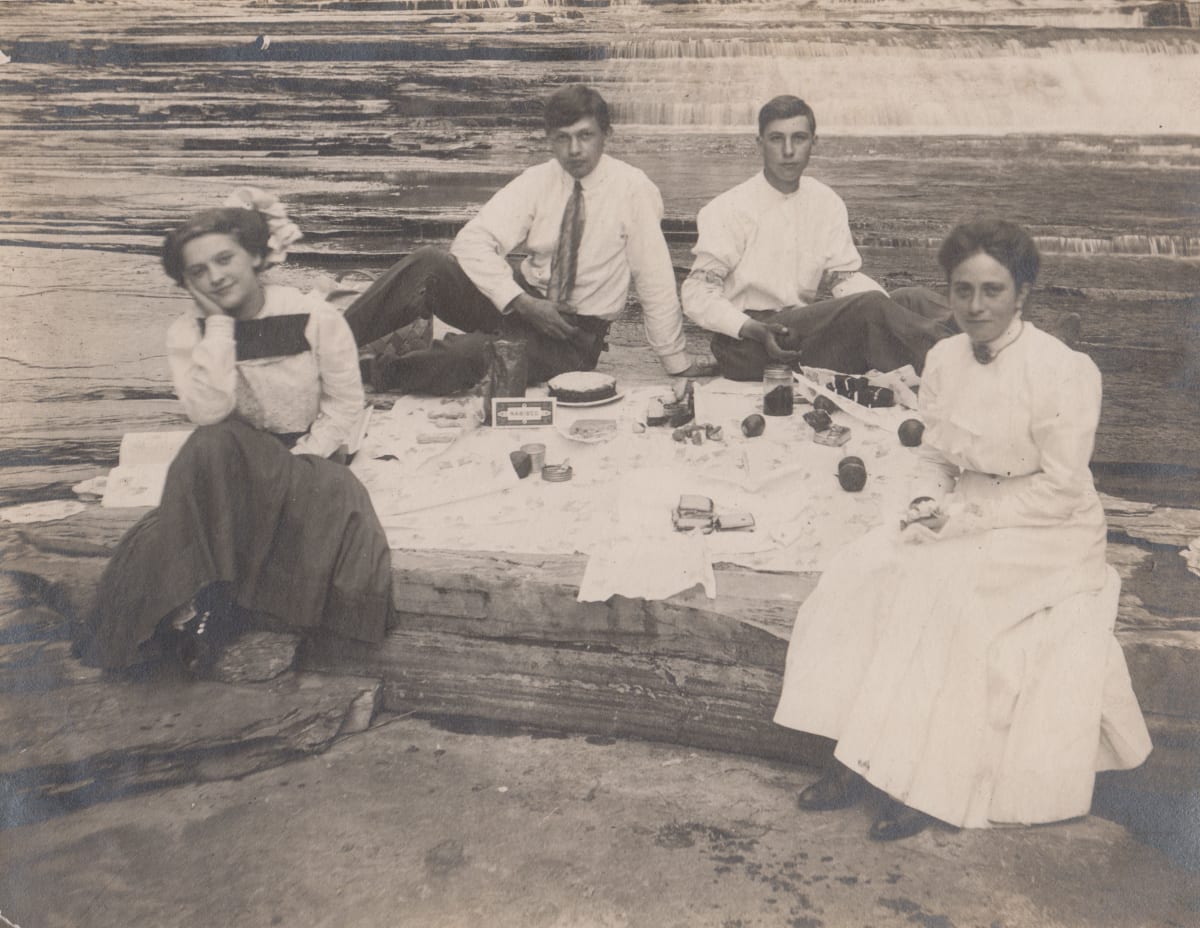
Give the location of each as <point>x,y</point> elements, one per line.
<point>537,455</point>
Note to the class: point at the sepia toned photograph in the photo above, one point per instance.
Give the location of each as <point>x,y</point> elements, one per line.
<point>600,463</point>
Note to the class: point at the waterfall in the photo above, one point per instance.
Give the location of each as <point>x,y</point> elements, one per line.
<point>1159,246</point>
<point>917,81</point>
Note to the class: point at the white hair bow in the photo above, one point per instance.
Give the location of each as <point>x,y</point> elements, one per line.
<point>284,232</point>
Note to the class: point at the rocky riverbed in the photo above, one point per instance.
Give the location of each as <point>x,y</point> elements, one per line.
<point>382,125</point>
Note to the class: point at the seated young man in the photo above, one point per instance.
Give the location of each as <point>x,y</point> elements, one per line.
<point>763,251</point>
<point>590,225</point>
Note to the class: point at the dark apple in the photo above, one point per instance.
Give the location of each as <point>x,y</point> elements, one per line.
<point>753,425</point>
<point>910,432</point>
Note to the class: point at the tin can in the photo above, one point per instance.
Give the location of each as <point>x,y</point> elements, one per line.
<point>557,473</point>
<point>537,455</point>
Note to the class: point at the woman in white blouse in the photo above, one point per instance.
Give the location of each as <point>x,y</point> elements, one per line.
<point>962,656</point>
<point>254,518</point>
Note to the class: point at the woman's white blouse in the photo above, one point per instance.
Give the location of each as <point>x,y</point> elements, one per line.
<point>318,391</point>
<point>1028,420</point>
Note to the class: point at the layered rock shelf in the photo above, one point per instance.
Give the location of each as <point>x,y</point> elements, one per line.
<point>501,637</point>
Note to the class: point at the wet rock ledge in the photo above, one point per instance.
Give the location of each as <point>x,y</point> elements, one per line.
<point>501,637</point>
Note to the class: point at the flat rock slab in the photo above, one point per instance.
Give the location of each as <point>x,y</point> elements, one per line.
<point>414,824</point>
<point>99,740</point>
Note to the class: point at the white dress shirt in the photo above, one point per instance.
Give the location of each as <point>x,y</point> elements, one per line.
<point>622,241</point>
<point>317,391</point>
<point>759,248</point>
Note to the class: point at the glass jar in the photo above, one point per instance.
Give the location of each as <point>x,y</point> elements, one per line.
<point>778,399</point>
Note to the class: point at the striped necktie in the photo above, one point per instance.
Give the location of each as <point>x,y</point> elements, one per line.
<point>566,252</point>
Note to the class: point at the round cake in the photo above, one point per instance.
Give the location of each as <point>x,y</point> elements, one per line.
<point>582,387</point>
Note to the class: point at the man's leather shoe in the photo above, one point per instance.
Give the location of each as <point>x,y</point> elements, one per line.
<point>898,821</point>
<point>838,788</point>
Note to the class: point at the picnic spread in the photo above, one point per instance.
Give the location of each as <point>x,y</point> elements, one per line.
<point>439,479</point>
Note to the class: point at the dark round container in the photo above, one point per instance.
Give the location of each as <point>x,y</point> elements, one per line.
<point>852,474</point>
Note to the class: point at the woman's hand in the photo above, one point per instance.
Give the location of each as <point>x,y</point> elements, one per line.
<point>926,513</point>
<point>207,304</point>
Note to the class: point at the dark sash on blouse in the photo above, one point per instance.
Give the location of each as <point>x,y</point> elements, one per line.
<point>269,337</point>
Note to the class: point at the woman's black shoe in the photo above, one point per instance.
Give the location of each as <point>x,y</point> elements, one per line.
<point>898,821</point>
<point>838,788</point>
<point>196,645</point>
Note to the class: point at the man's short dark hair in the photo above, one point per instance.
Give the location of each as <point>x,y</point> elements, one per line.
<point>785,106</point>
<point>1002,240</point>
<point>570,104</point>
<point>247,227</point>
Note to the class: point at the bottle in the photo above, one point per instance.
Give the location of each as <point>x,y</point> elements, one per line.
<point>777,391</point>
<point>507,373</point>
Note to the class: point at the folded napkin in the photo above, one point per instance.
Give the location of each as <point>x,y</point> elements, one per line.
<point>647,568</point>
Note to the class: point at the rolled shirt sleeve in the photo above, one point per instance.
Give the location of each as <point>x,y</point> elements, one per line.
<point>842,256</point>
<point>482,245</point>
<point>717,252</point>
<point>654,278</point>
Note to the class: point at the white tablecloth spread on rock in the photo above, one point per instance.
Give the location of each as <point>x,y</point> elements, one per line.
<point>465,495</point>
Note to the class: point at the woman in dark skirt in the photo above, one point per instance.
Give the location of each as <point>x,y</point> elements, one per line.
<point>254,517</point>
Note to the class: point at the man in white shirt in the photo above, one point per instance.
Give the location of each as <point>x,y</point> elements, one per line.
<point>590,225</point>
<point>765,248</point>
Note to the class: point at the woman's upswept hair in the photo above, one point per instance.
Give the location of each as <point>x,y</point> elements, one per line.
<point>247,227</point>
<point>1005,241</point>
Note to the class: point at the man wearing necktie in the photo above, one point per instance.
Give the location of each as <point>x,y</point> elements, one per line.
<point>589,224</point>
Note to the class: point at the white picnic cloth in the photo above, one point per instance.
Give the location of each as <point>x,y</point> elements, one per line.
<point>617,508</point>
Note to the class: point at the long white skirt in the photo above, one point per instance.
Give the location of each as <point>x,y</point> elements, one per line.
<point>974,678</point>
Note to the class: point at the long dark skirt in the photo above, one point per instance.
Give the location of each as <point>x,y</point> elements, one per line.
<point>293,536</point>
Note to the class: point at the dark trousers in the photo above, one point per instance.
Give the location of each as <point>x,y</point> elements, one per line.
<point>852,334</point>
<point>430,283</point>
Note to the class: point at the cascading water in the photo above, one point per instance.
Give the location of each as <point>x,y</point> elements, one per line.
<point>914,79</point>
<point>1080,117</point>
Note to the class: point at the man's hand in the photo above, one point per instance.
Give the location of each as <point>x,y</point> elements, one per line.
<point>547,317</point>
<point>767,334</point>
<point>699,369</point>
